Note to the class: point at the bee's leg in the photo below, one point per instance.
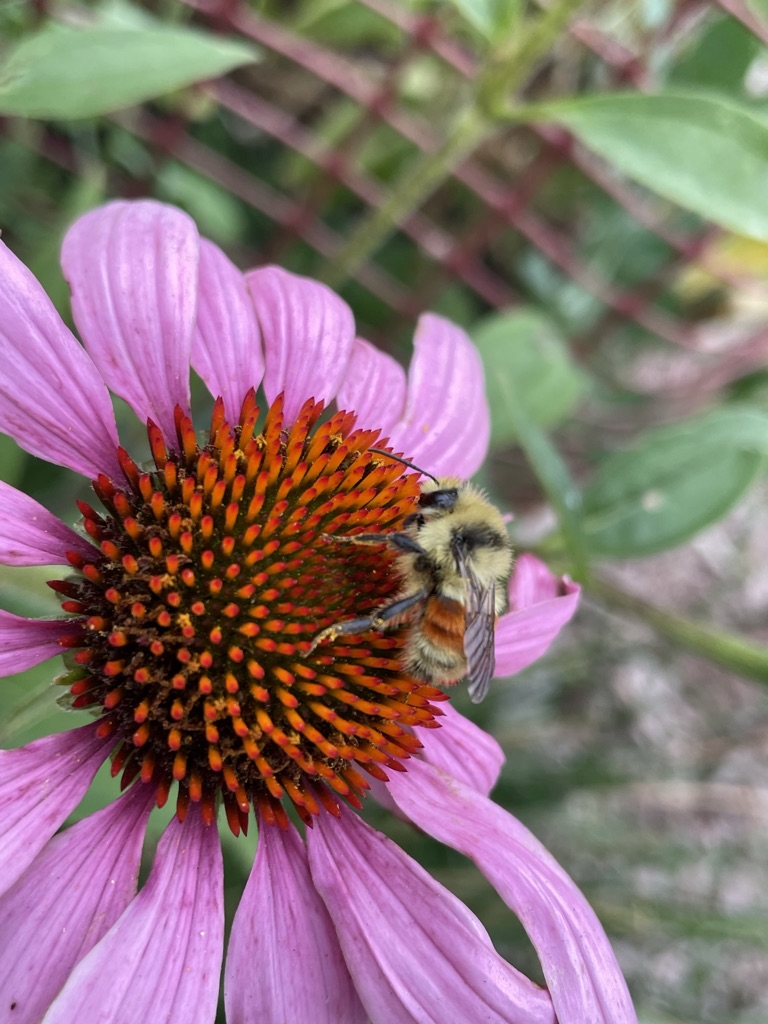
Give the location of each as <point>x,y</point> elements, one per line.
<point>401,541</point>
<point>378,620</point>
<point>404,542</point>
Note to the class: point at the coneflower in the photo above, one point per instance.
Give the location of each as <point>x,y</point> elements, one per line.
<point>192,593</point>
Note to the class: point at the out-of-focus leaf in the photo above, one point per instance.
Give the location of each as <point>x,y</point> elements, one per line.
<point>674,482</point>
<point>217,213</point>
<point>491,18</point>
<point>557,483</point>
<point>84,192</point>
<point>11,460</point>
<point>341,24</point>
<point>23,590</point>
<point>718,58</point>
<point>63,72</point>
<point>759,8</point>
<point>707,154</point>
<point>28,707</point>
<point>524,356</point>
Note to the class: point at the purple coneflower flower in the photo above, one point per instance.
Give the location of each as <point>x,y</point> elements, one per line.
<point>193,594</point>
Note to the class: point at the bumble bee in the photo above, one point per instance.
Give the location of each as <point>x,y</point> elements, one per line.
<point>455,560</point>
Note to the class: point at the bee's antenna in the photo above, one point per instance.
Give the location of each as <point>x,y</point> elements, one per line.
<point>405,462</point>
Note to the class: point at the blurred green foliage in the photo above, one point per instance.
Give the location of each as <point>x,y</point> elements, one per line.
<point>86,70</point>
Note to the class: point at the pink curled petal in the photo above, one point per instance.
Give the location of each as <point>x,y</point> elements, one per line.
<point>308,333</point>
<point>446,425</point>
<point>40,785</point>
<point>31,535</point>
<point>132,268</point>
<point>416,953</point>
<point>161,960</point>
<point>226,346</point>
<point>464,750</point>
<point>584,979</point>
<point>374,387</point>
<point>532,582</point>
<point>67,899</point>
<point>283,960</point>
<point>27,642</point>
<point>524,636</point>
<point>53,402</point>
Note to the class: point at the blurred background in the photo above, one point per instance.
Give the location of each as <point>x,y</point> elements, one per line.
<point>584,187</point>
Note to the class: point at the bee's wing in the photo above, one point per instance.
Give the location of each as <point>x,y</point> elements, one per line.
<point>479,631</point>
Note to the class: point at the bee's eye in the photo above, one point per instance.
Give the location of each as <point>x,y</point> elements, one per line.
<point>442,499</point>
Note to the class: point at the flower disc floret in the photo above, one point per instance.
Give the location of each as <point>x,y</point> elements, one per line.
<point>214,572</point>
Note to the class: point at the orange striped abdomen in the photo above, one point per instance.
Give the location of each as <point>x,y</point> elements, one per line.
<point>435,649</point>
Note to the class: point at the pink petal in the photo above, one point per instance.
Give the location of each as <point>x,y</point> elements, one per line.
<point>53,402</point>
<point>379,791</point>
<point>416,953</point>
<point>374,387</point>
<point>525,634</point>
<point>31,535</point>
<point>532,582</point>
<point>40,785</point>
<point>462,749</point>
<point>284,961</point>
<point>132,267</point>
<point>226,347</point>
<point>579,965</point>
<point>308,333</point>
<point>162,959</point>
<point>446,425</point>
<point>67,899</point>
<point>27,642</point>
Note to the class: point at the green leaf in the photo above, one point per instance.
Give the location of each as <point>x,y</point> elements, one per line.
<point>491,18</point>
<point>530,383</point>
<point>63,72</point>
<point>557,483</point>
<point>675,481</point>
<point>759,8</point>
<point>524,354</point>
<point>707,154</point>
<point>217,212</point>
<point>718,58</point>
<point>11,460</point>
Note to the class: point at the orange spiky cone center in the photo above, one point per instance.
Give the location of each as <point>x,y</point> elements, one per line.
<point>213,573</point>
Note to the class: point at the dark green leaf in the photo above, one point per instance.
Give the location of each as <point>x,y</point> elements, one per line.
<point>707,154</point>
<point>217,212</point>
<point>491,18</point>
<point>718,58</point>
<point>525,356</point>
<point>556,482</point>
<point>63,72</point>
<point>673,482</point>
<point>11,460</point>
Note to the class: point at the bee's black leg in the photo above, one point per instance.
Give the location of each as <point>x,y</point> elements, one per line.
<point>378,620</point>
<point>401,541</point>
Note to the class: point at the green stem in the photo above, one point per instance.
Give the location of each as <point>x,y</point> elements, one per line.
<point>410,191</point>
<point>505,69</point>
<point>749,660</point>
<point>514,59</point>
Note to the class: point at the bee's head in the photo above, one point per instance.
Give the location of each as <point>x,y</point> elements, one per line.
<point>440,495</point>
